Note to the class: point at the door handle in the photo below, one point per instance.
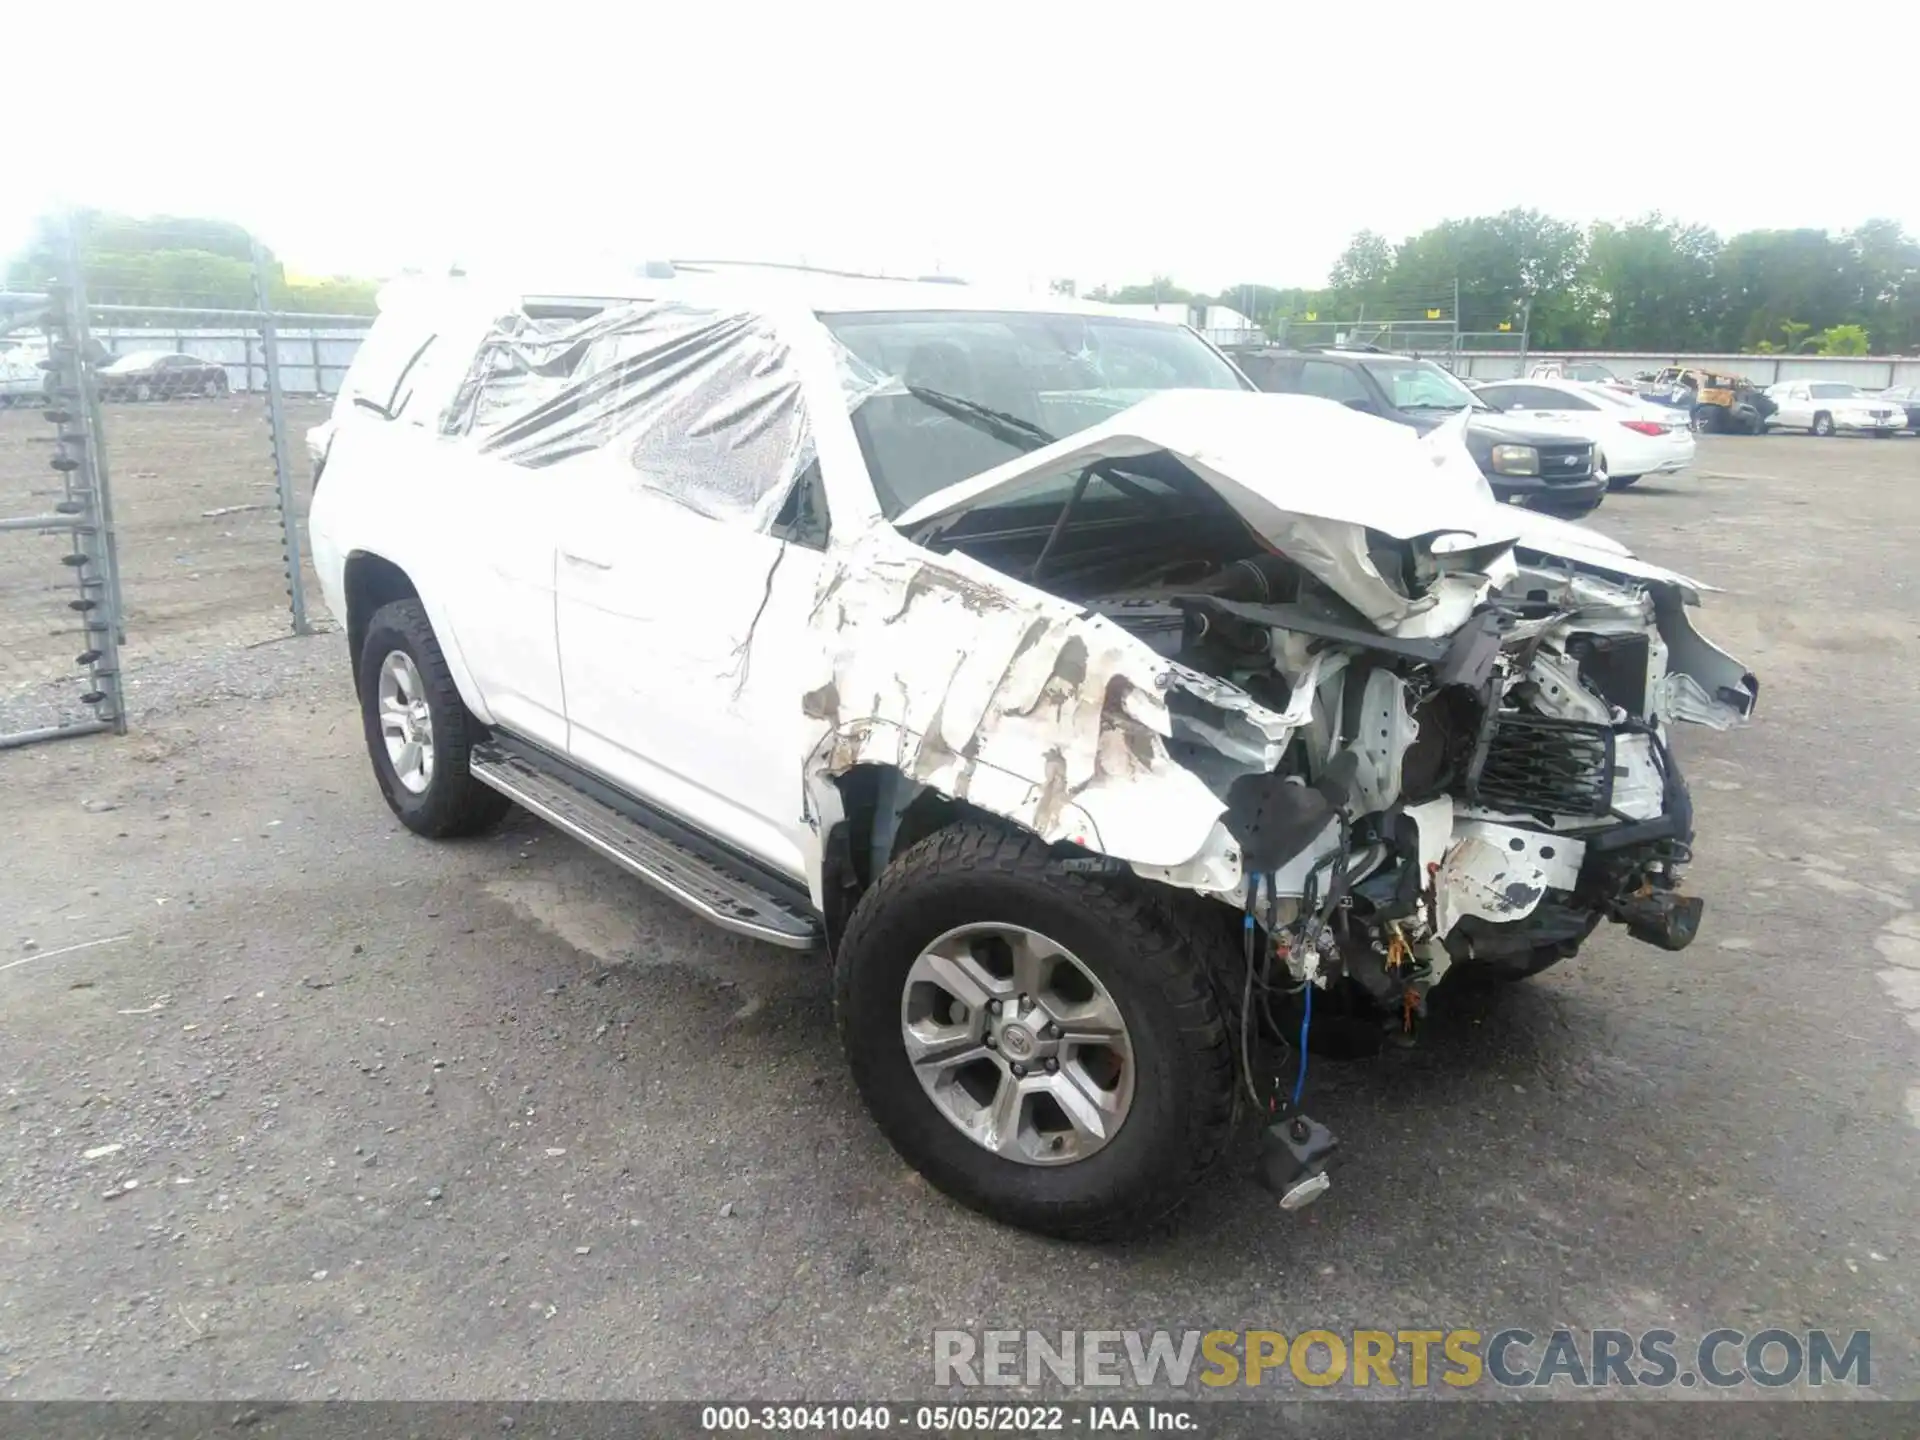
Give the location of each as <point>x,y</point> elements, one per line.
<point>588,561</point>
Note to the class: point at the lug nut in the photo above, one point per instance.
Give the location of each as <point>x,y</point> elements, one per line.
<point>1053,1065</point>
<point>1019,1071</point>
<point>1051,1030</point>
<point>994,1006</point>
<point>990,1042</point>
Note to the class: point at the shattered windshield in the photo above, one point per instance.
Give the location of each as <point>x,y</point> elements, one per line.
<point>953,393</point>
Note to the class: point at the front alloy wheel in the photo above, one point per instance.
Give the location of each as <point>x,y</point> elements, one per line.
<point>1043,1044</point>
<point>1017,1044</point>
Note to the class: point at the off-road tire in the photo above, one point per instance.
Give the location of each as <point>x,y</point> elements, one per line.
<point>1160,971</point>
<point>454,803</point>
<point>1822,424</point>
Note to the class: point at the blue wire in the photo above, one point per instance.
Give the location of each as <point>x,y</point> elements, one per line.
<point>1306,1019</point>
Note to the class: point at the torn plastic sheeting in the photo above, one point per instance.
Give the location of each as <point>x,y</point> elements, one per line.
<point>1019,705</point>
<point>705,406</point>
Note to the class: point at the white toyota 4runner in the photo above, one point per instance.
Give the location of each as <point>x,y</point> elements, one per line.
<point>1098,714</point>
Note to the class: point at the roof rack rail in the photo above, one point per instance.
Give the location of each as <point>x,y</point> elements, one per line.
<point>812,270</point>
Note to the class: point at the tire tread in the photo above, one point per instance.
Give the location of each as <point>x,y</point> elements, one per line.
<point>455,803</point>
<point>1176,952</point>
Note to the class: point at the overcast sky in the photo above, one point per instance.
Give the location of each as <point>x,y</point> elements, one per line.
<point>1020,142</point>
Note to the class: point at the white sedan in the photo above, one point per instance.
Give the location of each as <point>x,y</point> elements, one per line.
<point>1630,436</point>
<point>1825,407</point>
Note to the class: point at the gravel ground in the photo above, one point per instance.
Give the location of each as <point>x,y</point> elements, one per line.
<point>198,532</point>
<point>327,1110</point>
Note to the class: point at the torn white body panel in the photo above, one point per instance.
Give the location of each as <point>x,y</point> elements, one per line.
<point>1481,878</point>
<point>1019,703</point>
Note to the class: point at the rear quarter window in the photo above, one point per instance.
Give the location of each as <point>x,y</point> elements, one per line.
<point>384,369</point>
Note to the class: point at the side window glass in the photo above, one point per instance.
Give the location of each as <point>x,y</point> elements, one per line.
<point>1333,382</point>
<point>803,514</point>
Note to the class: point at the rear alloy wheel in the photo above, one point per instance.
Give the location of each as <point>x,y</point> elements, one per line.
<point>418,730</point>
<point>143,392</point>
<point>1823,424</point>
<point>1043,1045</point>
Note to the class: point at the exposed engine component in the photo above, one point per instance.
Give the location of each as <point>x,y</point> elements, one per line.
<point>1540,713</point>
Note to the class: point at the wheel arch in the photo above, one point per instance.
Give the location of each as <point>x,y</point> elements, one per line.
<point>881,812</point>
<point>370,580</point>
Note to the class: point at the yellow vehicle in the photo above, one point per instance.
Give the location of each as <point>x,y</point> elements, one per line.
<point>1716,400</point>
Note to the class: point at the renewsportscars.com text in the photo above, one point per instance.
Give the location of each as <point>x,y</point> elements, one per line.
<point>1404,1359</point>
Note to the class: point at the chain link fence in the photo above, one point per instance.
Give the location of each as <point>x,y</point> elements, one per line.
<point>195,389</point>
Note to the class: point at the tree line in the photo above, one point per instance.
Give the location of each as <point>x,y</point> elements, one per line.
<point>1650,284</point>
<point>165,261</point>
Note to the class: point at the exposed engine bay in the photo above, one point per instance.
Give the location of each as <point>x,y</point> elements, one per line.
<point>1267,651</point>
<point>1487,788</point>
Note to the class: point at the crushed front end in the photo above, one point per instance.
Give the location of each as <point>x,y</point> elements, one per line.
<point>1486,796</point>
<point>1398,727</point>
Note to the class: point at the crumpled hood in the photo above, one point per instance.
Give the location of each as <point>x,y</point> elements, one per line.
<point>1292,453</point>
<point>1311,477</point>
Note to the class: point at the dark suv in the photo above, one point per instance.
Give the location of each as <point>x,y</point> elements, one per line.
<point>1550,471</point>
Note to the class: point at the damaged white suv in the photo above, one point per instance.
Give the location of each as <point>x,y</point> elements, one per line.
<point>1100,715</point>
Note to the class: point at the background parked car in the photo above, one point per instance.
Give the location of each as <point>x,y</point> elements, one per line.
<point>1907,397</point>
<point>1587,372</point>
<point>1547,467</point>
<point>22,381</point>
<point>1631,437</point>
<point>1716,400</point>
<point>160,375</point>
<point>1826,407</point>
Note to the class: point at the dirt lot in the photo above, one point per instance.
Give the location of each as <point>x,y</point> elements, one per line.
<point>199,543</point>
<point>488,1120</point>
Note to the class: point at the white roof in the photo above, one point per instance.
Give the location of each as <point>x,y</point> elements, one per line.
<point>743,284</point>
